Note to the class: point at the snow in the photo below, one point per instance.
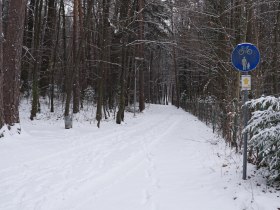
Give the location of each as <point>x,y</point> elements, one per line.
<point>162,159</point>
<point>264,128</point>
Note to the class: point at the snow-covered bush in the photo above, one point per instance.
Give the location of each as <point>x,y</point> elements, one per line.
<point>264,130</point>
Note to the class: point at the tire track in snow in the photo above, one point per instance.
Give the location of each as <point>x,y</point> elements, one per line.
<point>14,180</point>
<point>107,181</point>
<point>42,175</point>
<point>151,171</point>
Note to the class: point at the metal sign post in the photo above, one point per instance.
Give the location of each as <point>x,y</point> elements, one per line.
<point>245,137</point>
<point>245,57</point>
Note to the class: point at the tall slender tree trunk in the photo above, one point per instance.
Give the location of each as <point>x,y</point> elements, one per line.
<point>176,78</point>
<point>12,60</point>
<point>123,19</point>
<point>36,46</point>
<point>70,75</point>
<point>237,12</point>
<point>52,64</point>
<point>84,24</point>
<point>174,56</point>
<point>26,66</point>
<point>151,78</point>
<point>89,25</point>
<point>76,58</point>
<point>120,113</point>
<point>1,71</point>
<point>68,72</point>
<point>249,22</point>
<point>104,56</point>
<point>47,47</point>
<point>141,55</point>
<point>64,46</point>
<point>275,86</point>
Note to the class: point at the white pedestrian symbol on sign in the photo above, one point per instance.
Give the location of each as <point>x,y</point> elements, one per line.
<point>245,64</point>
<point>248,65</point>
<point>245,57</point>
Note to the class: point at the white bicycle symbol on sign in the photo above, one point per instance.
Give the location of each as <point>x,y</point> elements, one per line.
<point>245,50</point>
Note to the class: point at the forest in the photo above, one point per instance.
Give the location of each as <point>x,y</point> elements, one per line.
<point>117,53</point>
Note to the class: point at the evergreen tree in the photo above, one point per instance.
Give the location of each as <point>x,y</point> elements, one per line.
<point>264,127</point>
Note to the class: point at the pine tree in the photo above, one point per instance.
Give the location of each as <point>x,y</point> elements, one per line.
<point>264,127</point>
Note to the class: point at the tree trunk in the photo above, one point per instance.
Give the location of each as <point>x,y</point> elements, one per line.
<point>1,71</point>
<point>47,47</point>
<point>53,58</point>
<point>120,113</point>
<point>68,72</point>
<point>76,59</point>
<point>71,71</point>
<point>176,78</point>
<point>249,27</point>
<point>12,60</point>
<point>123,19</point>
<point>177,102</point>
<point>26,65</point>
<point>275,82</point>
<point>104,56</point>
<point>151,82</point>
<point>141,55</point>
<point>36,45</point>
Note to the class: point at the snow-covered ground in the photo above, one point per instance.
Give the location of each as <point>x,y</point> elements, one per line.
<point>163,159</point>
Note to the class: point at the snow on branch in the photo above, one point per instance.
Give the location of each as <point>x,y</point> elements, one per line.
<point>264,129</point>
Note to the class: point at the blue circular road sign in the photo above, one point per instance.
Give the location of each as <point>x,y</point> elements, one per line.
<point>245,57</point>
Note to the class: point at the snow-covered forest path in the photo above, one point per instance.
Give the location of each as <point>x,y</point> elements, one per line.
<point>164,159</point>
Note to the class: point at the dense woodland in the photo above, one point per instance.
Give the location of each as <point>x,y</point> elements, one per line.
<point>172,51</point>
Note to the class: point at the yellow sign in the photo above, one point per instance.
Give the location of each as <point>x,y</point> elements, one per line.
<point>246,82</point>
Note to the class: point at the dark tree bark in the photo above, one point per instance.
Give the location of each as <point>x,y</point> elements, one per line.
<point>47,47</point>
<point>26,64</point>
<point>68,72</point>
<point>150,97</point>
<point>12,60</point>
<point>103,60</point>
<point>30,23</point>
<point>70,75</point>
<point>76,59</point>
<point>1,71</point>
<point>53,61</point>
<point>141,55</point>
<point>36,65</point>
<point>123,41</point>
<point>120,113</point>
<point>176,77</point>
<point>275,63</point>
<point>174,56</point>
<point>84,28</point>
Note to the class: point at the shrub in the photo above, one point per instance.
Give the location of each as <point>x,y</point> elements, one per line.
<point>264,130</point>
